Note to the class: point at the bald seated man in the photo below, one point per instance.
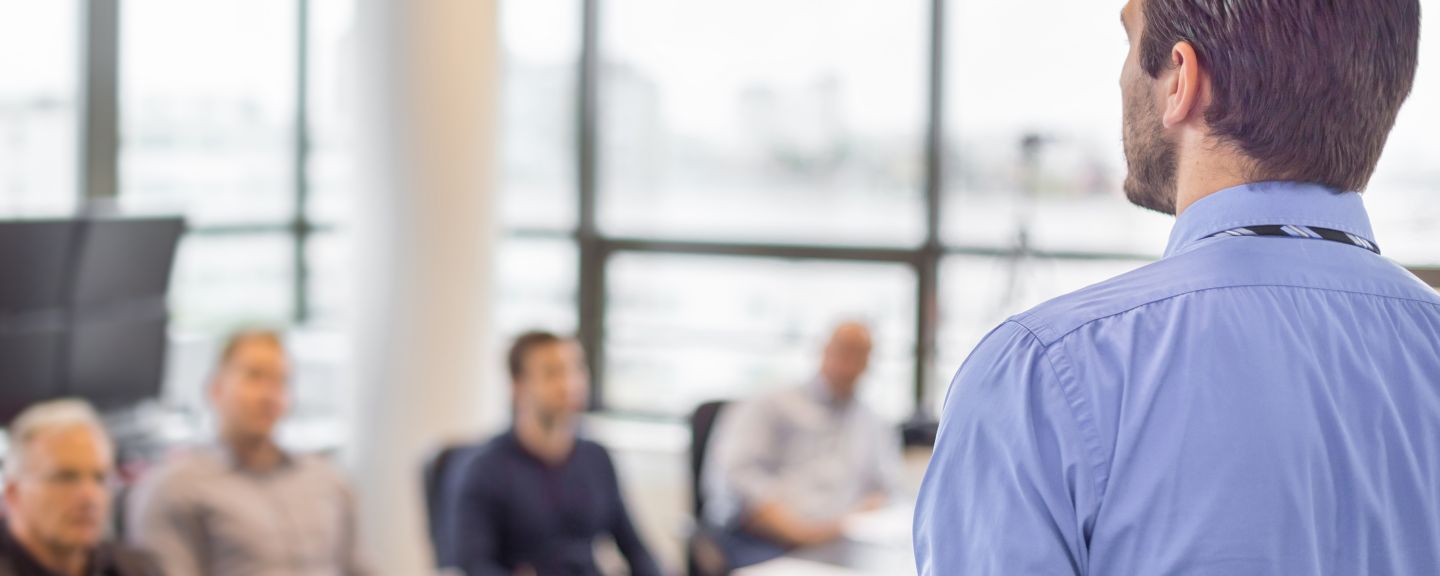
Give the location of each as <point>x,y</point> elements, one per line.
<point>57,497</point>
<point>786,469</point>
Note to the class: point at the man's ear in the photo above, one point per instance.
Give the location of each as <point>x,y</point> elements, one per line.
<point>1182,90</point>
<point>12,495</point>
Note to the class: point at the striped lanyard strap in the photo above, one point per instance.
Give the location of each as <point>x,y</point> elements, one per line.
<point>1293,231</point>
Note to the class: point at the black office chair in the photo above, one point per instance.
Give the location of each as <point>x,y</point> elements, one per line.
<point>703,556</point>
<point>702,425</point>
<point>120,511</point>
<point>436,471</point>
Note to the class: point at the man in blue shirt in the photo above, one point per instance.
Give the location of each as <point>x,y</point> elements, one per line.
<point>1264,400</point>
<point>534,500</point>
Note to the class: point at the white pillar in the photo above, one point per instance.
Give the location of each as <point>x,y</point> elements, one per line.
<point>429,73</point>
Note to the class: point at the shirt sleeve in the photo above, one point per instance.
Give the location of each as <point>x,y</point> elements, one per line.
<point>474,535</point>
<point>163,521</point>
<point>888,464</point>
<point>623,530</point>
<point>1009,488</point>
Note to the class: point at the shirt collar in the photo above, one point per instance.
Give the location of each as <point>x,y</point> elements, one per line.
<point>227,455</point>
<point>821,393</point>
<point>1270,203</point>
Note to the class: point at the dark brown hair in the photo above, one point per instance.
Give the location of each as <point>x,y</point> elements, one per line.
<point>1307,89</point>
<point>522,346</point>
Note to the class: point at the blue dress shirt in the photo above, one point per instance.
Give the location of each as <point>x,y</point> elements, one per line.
<point>507,510</point>
<point>1244,406</point>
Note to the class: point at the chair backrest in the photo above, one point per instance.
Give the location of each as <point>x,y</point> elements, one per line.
<point>436,471</point>
<point>702,424</point>
<point>119,511</point>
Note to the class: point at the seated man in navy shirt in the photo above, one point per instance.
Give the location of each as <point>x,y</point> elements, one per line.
<point>533,500</point>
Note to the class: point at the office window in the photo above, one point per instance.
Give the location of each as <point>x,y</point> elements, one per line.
<point>978,293</point>
<point>208,114</point>
<point>685,329</point>
<point>207,131</point>
<point>1033,130</point>
<point>39,79</point>
<point>539,113</point>
<point>537,286</point>
<point>330,263</point>
<point>331,111</point>
<point>207,105</point>
<point>331,187</point>
<point>222,281</point>
<point>763,120</point>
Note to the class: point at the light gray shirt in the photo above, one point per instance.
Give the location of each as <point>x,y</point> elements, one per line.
<point>818,457</point>
<point>201,514</point>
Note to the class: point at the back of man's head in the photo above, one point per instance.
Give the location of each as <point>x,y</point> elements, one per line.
<point>1308,90</point>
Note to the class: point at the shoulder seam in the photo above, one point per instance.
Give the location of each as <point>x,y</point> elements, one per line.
<point>1079,411</point>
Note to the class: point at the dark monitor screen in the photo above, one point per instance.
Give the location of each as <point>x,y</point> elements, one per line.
<point>36,259</point>
<point>82,310</point>
<point>121,261</point>
<point>116,362</point>
<point>30,361</point>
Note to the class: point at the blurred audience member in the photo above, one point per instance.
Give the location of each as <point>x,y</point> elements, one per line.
<point>785,470</point>
<point>57,497</point>
<point>244,506</point>
<point>534,500</point>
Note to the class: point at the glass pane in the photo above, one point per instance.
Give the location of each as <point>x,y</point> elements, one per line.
<point>331,196</point>
<point>978,293</point>
<point>1022,163</point>
<point>683,330</point>
<point>541,41</point>
<point>207,105</point>
<point>1404,196</point>
<point>536,284</point>
<point>39,78</point>
<point>537,287</point>
<point>764,120</point>
<point>332,108</point>
<point>331,278</point>
<point>221,281</point>
<point>320,382</point>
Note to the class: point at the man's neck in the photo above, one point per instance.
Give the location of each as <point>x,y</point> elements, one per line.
<point>254,454</point>
<point>64,561</point>
<point>830,391</point>
<point>551,439</point>
<point>1211,169</point>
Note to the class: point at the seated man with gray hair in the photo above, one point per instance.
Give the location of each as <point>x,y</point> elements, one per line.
<point>57,497</point>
